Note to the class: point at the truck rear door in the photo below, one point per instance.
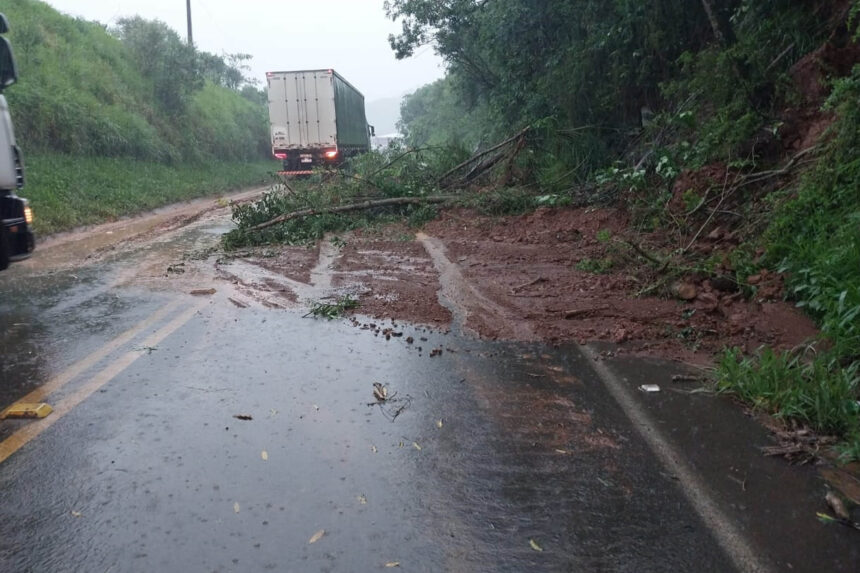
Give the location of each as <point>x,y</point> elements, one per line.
<point>301,110</point>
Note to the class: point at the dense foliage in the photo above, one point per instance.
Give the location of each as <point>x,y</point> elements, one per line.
<point>602,65</point>
<point>135,91</point>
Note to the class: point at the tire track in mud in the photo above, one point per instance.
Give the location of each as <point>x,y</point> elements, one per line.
<point>255,282</point>
<point>466,303</point>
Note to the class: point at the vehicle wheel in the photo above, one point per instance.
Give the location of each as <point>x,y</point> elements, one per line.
<point>4,249</point>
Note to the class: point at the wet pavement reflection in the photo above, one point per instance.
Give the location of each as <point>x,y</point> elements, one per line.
<point>491,453</point>
<point>192,433</point>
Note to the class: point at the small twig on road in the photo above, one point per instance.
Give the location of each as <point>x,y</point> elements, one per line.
<point>528,284</point>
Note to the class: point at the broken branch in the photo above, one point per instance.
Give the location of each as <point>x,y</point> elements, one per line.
<point>484,153</point>
<point>354,207</point>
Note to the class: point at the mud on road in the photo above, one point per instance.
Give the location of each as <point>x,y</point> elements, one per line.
<point>549,276</point>
<point>526,408</point>
<point>534,277</point>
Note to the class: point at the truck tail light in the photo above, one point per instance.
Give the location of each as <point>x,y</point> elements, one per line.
<point>280,155</point>
<point>28,214</point>
<point>331,154</point>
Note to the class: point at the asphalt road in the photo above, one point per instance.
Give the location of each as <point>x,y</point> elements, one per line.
<point>190,434</point>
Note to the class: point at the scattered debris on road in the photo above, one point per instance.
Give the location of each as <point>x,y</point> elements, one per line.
<point>331,310</point>
<point>203,291</point>
<point>245,417</point>
<point>649,388</point>
<point>837,505</point>
<point>238,303</point>
<point>316,536</point>
<point>389,404</point>
<point>380,392</point>
<point>534,545</point>
<point>686,378</point>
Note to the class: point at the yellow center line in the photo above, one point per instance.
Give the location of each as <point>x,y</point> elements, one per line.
<point>81,366</point>
<point>27,433</point>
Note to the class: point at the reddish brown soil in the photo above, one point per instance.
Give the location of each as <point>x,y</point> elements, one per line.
<point>517,278</point>
<point>294,262</point>
<point>397,277</point>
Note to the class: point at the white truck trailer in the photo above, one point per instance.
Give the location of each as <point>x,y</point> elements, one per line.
<point>316,118</point>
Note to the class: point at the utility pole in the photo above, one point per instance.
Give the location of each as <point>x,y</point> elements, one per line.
<point>190,36</point>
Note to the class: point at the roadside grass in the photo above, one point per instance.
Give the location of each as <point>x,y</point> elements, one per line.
<point>596,266</point>
<point>814,392</point>
<point>814,239</point>
<point>70,191</point>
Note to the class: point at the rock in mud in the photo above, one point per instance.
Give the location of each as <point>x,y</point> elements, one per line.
<point>685,291</point>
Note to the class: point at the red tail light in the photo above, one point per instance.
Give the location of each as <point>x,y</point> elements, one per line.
<point>331,154</point>
<point>280,155</point>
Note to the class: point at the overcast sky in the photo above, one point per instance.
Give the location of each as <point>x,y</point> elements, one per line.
<point>350,36</point>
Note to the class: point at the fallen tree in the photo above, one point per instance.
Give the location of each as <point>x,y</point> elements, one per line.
<point>430,199</point>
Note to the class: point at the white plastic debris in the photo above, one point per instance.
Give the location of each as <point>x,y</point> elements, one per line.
<point>649,388</point>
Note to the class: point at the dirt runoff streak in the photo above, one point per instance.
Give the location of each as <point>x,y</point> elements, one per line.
<point>26,434</point>
<point>727,535</point>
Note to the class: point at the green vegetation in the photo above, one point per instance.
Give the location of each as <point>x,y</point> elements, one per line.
<point>394,172</point>
<point>812,392</point>
<point>596,266</point>
<point>121,120</point>
<point>332,310</point>
<point>814,238</point>
<point>69,191</point>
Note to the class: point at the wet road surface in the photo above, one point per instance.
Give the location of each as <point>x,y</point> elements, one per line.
<point>487,456</point>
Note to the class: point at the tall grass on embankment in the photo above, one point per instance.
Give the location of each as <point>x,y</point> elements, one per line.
<point>69,191</point>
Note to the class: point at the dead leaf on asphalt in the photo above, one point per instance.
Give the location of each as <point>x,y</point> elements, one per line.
<point>534,545</point>
<point>380,392</point>
<point>438,423</point>
<point>243,417</point>
<point>265,455</point>
<point>391,564</point>
<point>837,505</point>
<point>203,291</point>
<point>236,507</point>
<point>416,446</point>
<point>316,536</point>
